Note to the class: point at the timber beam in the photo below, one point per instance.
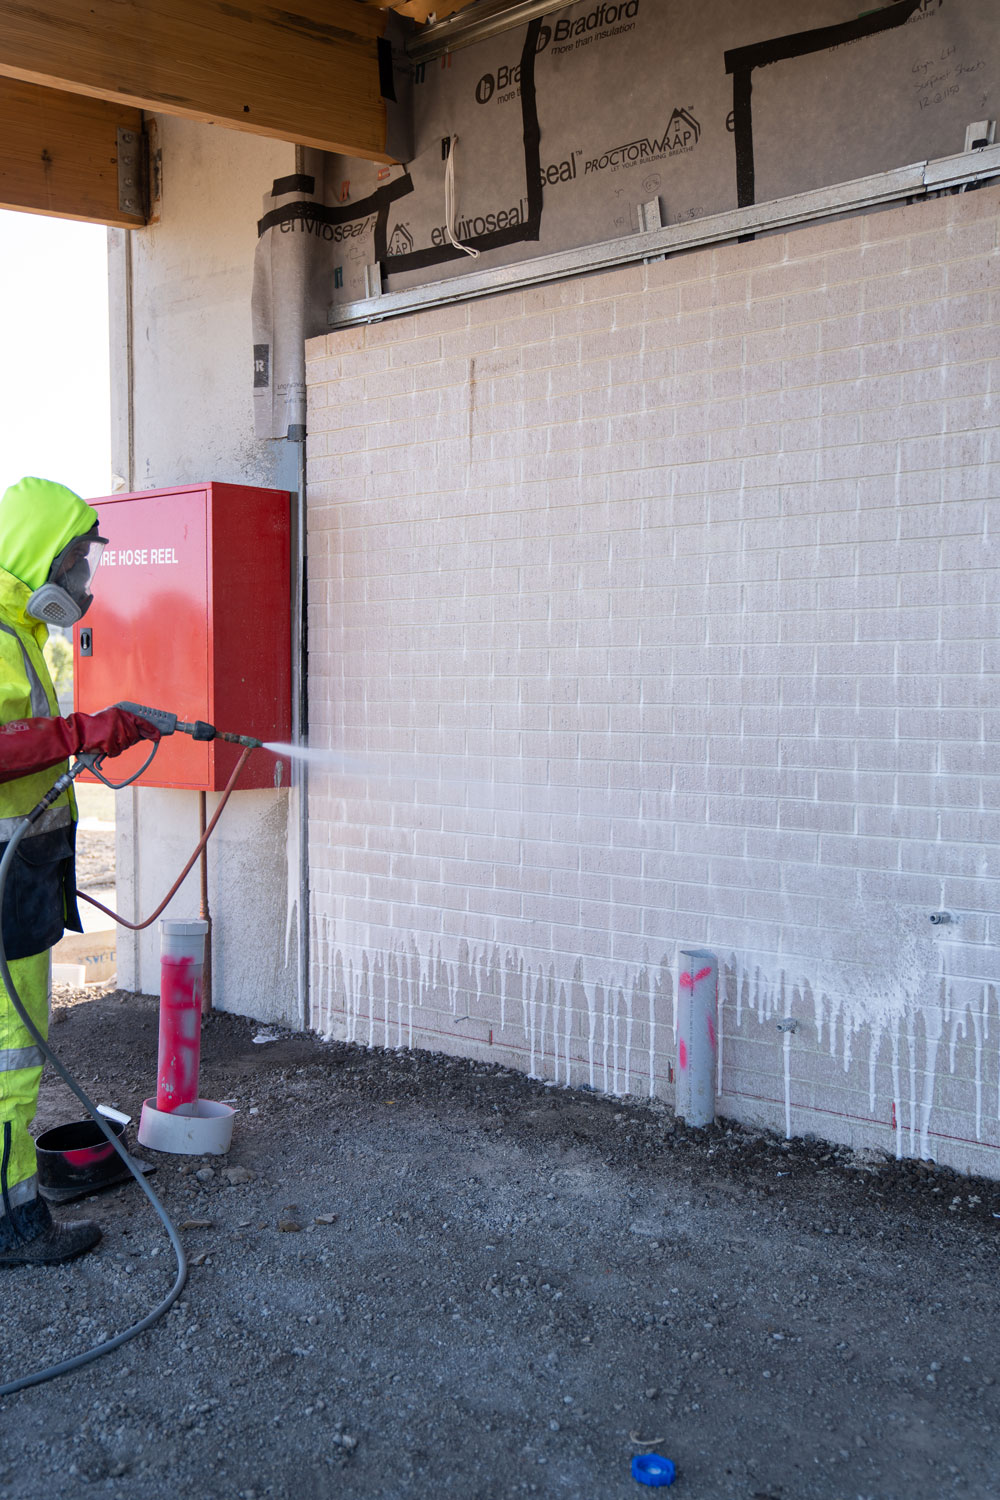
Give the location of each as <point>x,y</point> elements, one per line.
<point>59,155</point>
<point>308,75</point>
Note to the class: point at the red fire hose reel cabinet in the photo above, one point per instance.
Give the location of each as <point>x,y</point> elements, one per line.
<point>191,613</point>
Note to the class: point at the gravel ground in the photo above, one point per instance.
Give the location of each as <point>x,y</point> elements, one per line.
<point>95,858</point>
<point>416,1276</point>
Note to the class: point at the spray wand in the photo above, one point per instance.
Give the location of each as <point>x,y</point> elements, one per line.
<point>167,723</point>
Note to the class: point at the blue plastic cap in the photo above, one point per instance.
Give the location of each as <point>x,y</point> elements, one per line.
<point>653,1468</point>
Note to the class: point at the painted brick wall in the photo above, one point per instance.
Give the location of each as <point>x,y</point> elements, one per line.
<point>660,608</point>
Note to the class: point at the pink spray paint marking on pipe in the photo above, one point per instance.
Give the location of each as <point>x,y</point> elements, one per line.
<point>180,1033</point>
<point>697,1002</point>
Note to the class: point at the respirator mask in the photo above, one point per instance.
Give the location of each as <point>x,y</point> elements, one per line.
<point>65,595</point>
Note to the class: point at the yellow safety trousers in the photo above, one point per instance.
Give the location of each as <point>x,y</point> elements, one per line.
<point>20,1076</point>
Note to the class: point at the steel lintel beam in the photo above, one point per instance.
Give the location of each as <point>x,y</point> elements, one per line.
<point>916,181</point>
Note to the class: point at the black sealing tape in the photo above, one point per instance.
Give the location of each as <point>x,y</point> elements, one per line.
<point>386,85</point>
<point>741,61</point>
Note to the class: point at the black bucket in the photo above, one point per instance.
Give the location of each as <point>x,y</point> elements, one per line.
<point>77,1159</point>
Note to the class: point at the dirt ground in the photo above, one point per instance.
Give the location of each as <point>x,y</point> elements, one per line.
<point>429,1277</point>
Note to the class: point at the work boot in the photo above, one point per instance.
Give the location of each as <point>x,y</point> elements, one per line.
<point>29,1236</point>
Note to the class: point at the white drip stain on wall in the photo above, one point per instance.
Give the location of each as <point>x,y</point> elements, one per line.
<point>886,1009</point>
<point>573,1030</point>
<point>899,989</point>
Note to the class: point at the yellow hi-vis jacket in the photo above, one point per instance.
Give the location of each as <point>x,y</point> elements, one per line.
<point>37,520</point>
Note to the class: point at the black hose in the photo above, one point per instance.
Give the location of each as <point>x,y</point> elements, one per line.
<point>75,1363</point>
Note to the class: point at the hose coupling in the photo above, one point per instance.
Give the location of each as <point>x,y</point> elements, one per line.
<point>199,730</point>
<point>246,740</point>
<point>55,791</point>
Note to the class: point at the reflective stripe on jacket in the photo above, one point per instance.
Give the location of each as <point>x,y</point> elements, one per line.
<point>40,896</point>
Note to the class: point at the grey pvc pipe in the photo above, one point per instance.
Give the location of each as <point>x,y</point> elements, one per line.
<point>697,1009</point>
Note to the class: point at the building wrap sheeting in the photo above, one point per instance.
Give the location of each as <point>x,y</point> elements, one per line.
<point>558,132</point>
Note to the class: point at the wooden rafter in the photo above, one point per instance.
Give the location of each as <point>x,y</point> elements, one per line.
<point>308,75</point>
<point>59,153</point>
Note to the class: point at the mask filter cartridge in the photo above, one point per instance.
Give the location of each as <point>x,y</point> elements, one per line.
<point>54,606</point>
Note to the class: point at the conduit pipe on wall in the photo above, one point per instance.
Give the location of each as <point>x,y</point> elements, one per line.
<point>697,1005</point>
<point>204,909</point>
<point>300,724</point>
<point>300,699</point>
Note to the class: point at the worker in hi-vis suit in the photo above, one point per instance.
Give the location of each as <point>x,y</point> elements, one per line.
<point>49,549</point>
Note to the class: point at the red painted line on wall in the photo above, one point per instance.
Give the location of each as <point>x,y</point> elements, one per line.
<point>843,1114</point>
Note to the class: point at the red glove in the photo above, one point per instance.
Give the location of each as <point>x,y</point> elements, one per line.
<point>28,745</point>
<point>111,731</point>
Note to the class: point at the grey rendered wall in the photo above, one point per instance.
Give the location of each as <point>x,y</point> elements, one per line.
<point>181,411</point>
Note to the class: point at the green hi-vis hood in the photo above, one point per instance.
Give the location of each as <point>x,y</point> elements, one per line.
<point>38,518</point>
